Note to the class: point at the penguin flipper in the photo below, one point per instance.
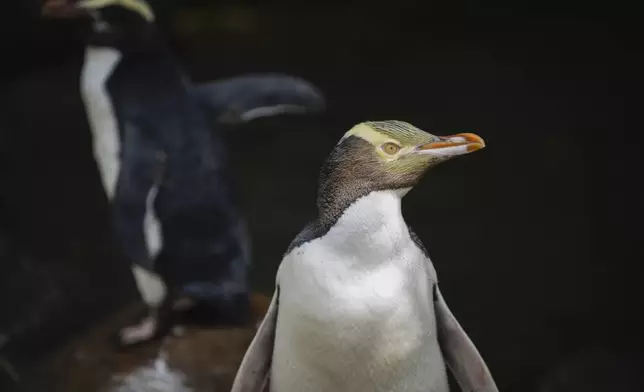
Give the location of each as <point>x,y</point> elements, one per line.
<point>254,372</point>
<point>462,357</point>
<point>245,98</point>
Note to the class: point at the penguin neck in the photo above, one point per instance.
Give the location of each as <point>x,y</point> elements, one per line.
<point>373,223</point>
<point>366,213</point>
<point>337,197</point>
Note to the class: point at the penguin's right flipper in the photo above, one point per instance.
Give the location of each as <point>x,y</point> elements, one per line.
<point>254,371</point>
<point>460,354</point>
<point>244,98</point>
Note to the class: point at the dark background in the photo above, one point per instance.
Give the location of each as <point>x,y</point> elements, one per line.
<point>531,237</point>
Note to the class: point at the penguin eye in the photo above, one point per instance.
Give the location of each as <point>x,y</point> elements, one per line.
<point>390,148</point>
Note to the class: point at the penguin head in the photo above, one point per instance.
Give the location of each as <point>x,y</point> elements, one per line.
<point>140,7</point>
<point>386,155</point>
<point>96,8</point>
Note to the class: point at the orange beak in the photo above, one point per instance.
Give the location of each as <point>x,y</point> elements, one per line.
<point>459,144</point>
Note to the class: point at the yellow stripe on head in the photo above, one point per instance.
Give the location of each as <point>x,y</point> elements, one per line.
<point>368,133</point>
<point>376,132</point>
<point>139,6</point>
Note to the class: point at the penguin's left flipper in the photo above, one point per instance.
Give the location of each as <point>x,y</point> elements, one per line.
<point>254,372</point>
<point>245,98</point>
<point>460,354</point>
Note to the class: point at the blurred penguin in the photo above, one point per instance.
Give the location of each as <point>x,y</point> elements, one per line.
<point>163,166</point>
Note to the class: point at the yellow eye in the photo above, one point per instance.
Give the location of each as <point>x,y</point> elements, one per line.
<point>390,148</point>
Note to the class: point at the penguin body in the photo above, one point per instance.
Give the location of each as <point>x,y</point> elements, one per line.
<point>164,167</point>
<point>173,175</point>
<point>98,67</point>
<point>349,308</point>
<point>357,305</point>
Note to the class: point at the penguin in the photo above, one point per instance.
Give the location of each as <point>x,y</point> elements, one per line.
<point>164,166</point>
<point>357,305</point>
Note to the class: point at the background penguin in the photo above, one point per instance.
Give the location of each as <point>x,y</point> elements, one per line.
<point>357,305</point>
<point>163,168</point>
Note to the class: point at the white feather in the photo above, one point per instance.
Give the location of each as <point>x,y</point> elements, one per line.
<point>151,225</point>
<point>267,111</point>
<point>98,67</point>
<point>355,310</point>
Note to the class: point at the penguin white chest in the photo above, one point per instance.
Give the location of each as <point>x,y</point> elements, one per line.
<point>99,64</point>
<point>355,308</point>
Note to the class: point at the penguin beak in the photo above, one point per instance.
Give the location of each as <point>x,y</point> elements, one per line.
<point>453,145</point>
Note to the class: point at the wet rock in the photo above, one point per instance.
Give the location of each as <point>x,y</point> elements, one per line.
<point>199,360</point>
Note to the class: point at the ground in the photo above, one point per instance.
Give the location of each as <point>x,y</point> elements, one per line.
<point>199,360</point>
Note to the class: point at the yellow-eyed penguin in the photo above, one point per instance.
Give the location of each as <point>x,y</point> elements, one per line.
<point>357,306</point>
